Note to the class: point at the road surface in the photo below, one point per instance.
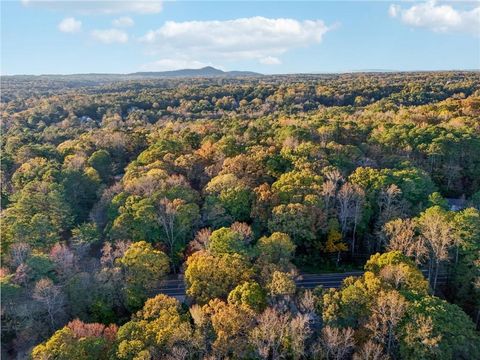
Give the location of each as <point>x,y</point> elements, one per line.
<point>176,288</point>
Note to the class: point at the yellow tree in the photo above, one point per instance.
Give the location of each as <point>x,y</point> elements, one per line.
<point>213,276</point>
<point>144,267</point>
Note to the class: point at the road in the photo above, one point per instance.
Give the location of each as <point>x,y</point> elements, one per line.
<point>176,288</point>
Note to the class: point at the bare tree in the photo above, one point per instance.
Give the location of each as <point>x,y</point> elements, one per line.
<point>166,217</point>
<point>111,252</point>
<point>387,311</point>
<point>19,252</point>
<point>268,335</point>
<point>351,199</point>
<point>307,305</point>
<point>370,351</point>
<point>389,202</point>
<point>21,274</point>
<point>338,343</point>
<point>394,274</point>
<point>358,204</point>
<point>64,259</point>
<point>200,241</point>
<point>198,315</point>
<point>107,258</point>
<point>325,134</point>
<point>329,190</point>
<point>83,330</point>
<point>50,296</point>
<point>178,353</point>
<point>334,176</point>
<point>299,332</point>
<point>401,236</point>
<point>330,187</point>
<point>345,203</point>
<point>167,212</point>
<point>438,234</point>
<point>203,334</point>
<point>243,229</point>
<point>120,248</point>
<point>99,210</point>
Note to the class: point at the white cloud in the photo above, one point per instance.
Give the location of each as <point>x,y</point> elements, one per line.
<point>70,25</point>
<point>123,21</point>
<point>256,38</point>
<point>439,18</point>
<point>270,60</point>
<point>174,64</point>
<point>110,36</point>
<point>393,10</point>
<point>99,6</point>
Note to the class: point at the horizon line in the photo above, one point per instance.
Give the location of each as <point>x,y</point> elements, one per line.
<point>348,71</point>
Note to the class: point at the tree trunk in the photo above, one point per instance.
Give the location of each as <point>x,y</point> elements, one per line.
<point>389,341</point>
<point>353,237</point>
<point>171,245</point>
<point>437,265</point>
<point>430,265</point>
<point>50,315</point>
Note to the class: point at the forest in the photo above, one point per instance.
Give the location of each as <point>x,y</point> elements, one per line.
<point>238,187</point>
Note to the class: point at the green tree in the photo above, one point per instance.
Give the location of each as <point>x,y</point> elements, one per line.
<point>40,266</point>
<point>467,261</point>
<point>399,270</point>
<point>435,329</point>
<point>78,341</point>
<point>351,306</point>
<point>227,241</point>
<point>277,248</point>
<point>436,199</point>
<point>249,294</point>
<point>297,221</point>
<point>176,219</point>
<point>85,235</point>
<point>39,216</point>
<point>101,161</point>
<point>294,186</point>
<point>144,268</point>
<point>136,219</point>
<point>81,190</point>
<point>38,168</point>
<point>155,330</point>
<point>232,195</point>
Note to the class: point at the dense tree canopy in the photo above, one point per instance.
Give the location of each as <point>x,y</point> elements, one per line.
<point>111,190</point>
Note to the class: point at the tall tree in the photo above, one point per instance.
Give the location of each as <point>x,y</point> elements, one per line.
<point>51,298</point>
<point>401,236</point>
<point>436,228</point>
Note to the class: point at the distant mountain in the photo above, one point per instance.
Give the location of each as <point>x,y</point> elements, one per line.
<point>207,71</point>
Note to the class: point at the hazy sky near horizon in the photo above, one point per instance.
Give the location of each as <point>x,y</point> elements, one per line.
<point>119,36</point>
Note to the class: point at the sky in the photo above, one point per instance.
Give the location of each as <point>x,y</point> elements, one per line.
<point>271,37</point>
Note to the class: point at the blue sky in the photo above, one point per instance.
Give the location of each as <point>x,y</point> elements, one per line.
<point>118,36</point>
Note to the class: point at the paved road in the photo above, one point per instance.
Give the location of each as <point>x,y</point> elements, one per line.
<point>307,281</point>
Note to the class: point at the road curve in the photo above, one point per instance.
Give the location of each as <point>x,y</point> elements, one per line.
<point>176,288</point>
